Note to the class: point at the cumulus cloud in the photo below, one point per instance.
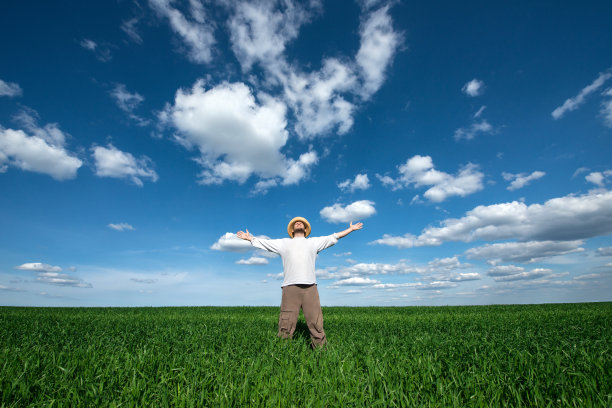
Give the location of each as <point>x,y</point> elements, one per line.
<point>505,270</point>
<point>124,226</point>
<point>236,135</point>
<point>474,129</point>
<point>254,260</point>
<point>436,271</point>
<point>523,252</point>
<point>42,150</point>
<point>599,178</point>
<point>419,171</point>
<point>574,103</point>
<point>10,89</point>
<point>320,100</point>
<point>521,180</point>
<point>112,162</point>
<point>566,218</point>
<point>196,31</point>
<point>317,99</point>
<point>379,43</point>
<point>353,212</point>
<point>361,182</point>
<point>229,242</point>
<point>260,33</point>
<point>475,87</point>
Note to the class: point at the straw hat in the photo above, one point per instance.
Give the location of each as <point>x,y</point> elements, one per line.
<point>296,219</point>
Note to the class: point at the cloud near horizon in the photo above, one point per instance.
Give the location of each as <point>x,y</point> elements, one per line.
<point>566,218</point>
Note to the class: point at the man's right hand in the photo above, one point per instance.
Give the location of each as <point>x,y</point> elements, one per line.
<point>244,235</point>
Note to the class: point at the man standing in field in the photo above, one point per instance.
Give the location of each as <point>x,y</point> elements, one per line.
<point>299,284</point>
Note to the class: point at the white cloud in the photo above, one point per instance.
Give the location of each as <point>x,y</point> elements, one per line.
<point>259,33</point>
<point>102,53</point>
<point>475,87</point>
<point>588,276</point>
<point>126,100</point>
<point>606,108</point>
<point>124,226</point>
<point>465,276</point>
<point>38,267</point>
<point>197,33</point>
<point>419,171</point>
<point>438,270</point>
<point>320,100</point>
<point>317,99</point>
<point>524,252</point>
<point>575,102</point>
<point>505,270</point>
<point>42,152</point>
<point>62,279</point>
<point>229,242</point>
<point>521,180</point>
<point>254,260</point>
<point>112,162</point>
<point>533,274</point>
<point>236,136</point>
<point>579,170</point>
<point>559,219</point>
<point>356,281</point>
<point>129,27</point>
<point>10,89</point>
<point>379,43</point>
<point>51,274</point>
<point>475,128</point>
<point>361,182</point>
<point>598,178</point>
<point>353,212</point>
<point>479,112</point>
<point>435,285</point>
<point>89,44</point>
<point>607,251</point>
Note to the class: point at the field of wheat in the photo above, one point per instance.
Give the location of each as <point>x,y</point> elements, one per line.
<point>516,355</point>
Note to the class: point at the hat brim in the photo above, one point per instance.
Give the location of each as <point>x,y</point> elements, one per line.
<point>296,219</point>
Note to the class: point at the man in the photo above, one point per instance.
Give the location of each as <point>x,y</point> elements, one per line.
<point>299,284</point>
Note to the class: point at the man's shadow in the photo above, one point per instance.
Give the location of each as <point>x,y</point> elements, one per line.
<point>301,331</point>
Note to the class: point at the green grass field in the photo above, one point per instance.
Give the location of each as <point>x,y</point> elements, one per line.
<point>519,355</point>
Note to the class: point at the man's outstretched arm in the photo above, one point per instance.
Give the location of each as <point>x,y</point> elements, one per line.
<point>351,228</point>
<point>272,245</point>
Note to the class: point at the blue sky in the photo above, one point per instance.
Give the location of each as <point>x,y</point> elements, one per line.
<point>472,139</point>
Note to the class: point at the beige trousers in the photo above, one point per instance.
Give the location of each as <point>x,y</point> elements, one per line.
<point>305,297</point>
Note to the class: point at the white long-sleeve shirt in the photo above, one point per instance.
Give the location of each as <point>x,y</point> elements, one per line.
<point>298,255</point>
